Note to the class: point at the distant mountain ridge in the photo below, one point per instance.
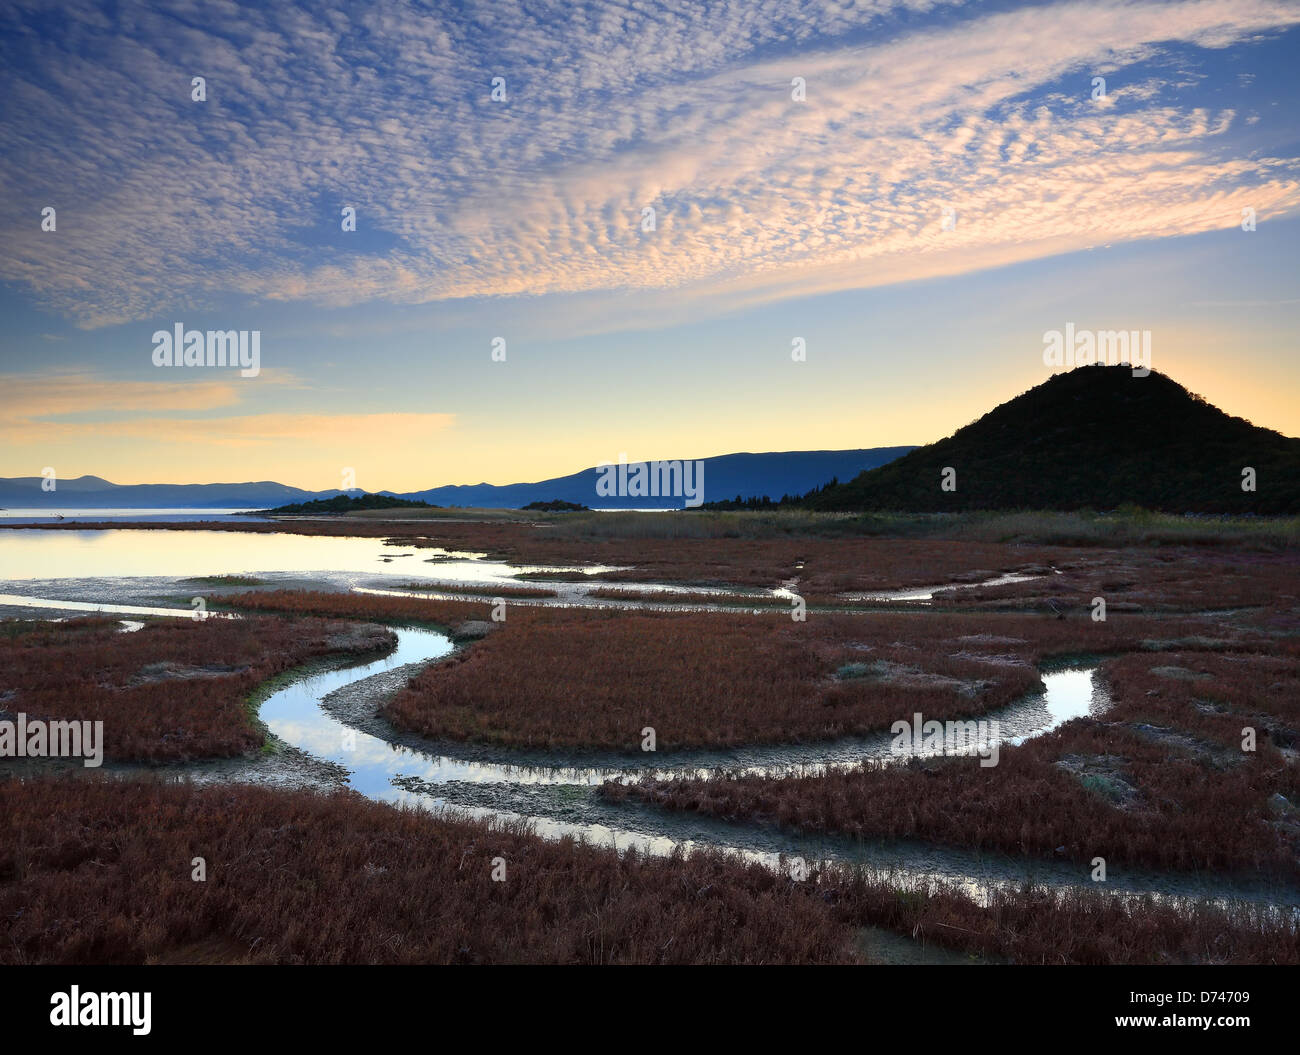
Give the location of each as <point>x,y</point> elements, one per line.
<point>1093,438</point>
<point>94,492</point>
<point>725,476</point>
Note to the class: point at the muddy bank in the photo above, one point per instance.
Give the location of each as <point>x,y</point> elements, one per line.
<point>358,703</point>
<point>279,765</point>
<point>559,810</point>
<point>556,795</point>
<point>559,802</point>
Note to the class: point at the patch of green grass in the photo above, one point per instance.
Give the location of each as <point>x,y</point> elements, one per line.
<point>18,627</point>
<point>857,670</point>
<point>271,744</point>
<point>1103,786</point>
<point>11,628</point>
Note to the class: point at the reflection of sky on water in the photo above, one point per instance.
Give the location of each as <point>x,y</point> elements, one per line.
<point>21,601</point>
<point>294,714</point>
<point>119,553</point>
<point>1070,694</point>
<point>159,515</point>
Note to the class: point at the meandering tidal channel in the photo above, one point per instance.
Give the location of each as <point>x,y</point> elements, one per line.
<point>556,795</point>
<point>127,573</point>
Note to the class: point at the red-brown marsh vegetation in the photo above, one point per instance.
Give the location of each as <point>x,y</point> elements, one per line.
<point>581,678</point>
<point>685,597</point>
<point>820,567</point>
<point>1036,925</point>
<point>1182,579</point>
<point>596,679</point>
<point>1160,780</point>
<point>171,691</point>
<point>448,614</point>
<point>822,558</point>
<point>98,871</point>
<point>823,565</point>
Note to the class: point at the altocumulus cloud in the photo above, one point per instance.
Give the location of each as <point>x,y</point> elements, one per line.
<point>684,107</point>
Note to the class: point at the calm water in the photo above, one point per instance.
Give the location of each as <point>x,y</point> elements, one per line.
<point>384,771</point>
<point>160,516</point>
<point>294,714</point>
<point>109,553</point>
<point>401,776</point>
<point>503,790</point>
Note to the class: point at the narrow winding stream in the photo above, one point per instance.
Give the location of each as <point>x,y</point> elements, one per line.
<point>555,792</point>
<point>558,798</point>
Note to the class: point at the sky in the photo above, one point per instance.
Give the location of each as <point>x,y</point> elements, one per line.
<point>585,231</point>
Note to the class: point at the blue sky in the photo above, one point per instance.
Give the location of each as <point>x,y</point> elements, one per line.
<point>775,218</point>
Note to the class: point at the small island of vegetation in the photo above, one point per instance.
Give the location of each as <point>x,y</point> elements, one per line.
<point>557,505</point>
<point>341,504</point>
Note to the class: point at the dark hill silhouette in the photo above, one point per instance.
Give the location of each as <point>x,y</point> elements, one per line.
<point>1094,438</point>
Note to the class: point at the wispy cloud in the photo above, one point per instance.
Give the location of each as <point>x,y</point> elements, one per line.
<point>60,395</point>
<point>72,408</point>
<point>686,108</point>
